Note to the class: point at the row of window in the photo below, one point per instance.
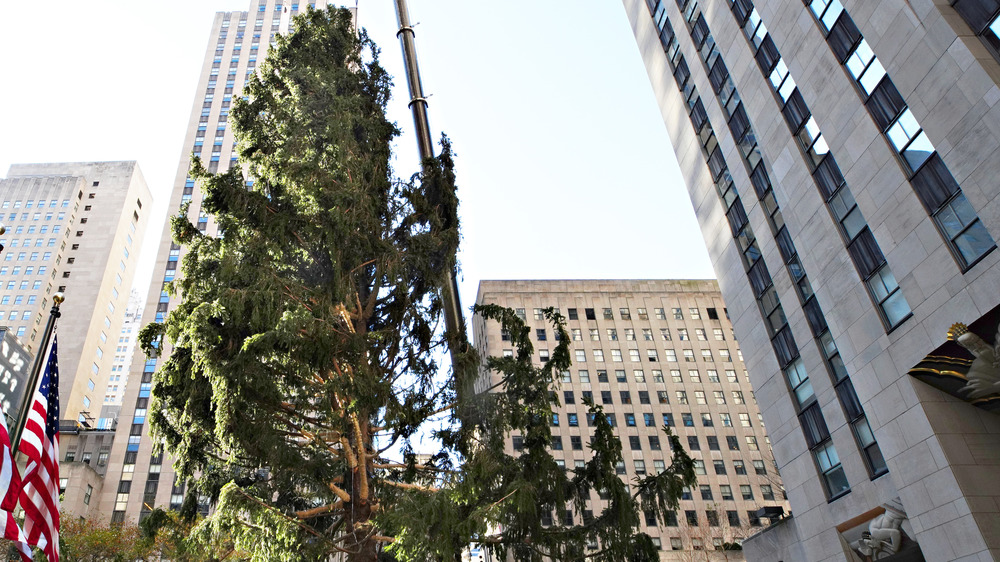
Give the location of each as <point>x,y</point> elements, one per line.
<point>662,397</point>
<point>52,203</point>
<point>783,343</point>
<point>594,334</point>
<point>880,282</point>
<point>649,419</point>
<point>669,355</point>
<point>929,177</point>
<point>639,376</point>
<point>36,216</point>
<point>694,313</point>
<point>43,229</point>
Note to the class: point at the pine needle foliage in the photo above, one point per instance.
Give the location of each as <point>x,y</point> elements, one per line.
<point>304,349</point>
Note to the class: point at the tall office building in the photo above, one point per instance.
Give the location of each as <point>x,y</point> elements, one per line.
<point>124,350</point>
<point>841,157</point>
<point>653,353</point>
<point>138,481</point>
<point>75,228</point>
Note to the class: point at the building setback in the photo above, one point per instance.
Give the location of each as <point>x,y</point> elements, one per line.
<point>139,481</point>
<point>75,228</point>
<point>842,162</point>
<point>653,353</point>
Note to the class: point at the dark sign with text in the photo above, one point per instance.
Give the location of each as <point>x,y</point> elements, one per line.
<point>15,367</point>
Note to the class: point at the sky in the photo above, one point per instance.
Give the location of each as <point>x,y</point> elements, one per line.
<point>564,167</point>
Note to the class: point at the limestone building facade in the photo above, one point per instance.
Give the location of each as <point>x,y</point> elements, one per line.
<point>841,157</point>
<point>653,353</point>
<point>75,228</point>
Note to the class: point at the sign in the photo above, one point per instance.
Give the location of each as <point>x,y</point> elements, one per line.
<point>15,368</point>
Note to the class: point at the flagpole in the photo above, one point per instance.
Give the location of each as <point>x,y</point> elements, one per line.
<point>36,373</point>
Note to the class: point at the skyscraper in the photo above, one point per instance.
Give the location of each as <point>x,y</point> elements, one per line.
<point>653,353</point>
<point>138,481</point>
<point>841,157</point>
<point>76,228</point>
<point>124,349</point>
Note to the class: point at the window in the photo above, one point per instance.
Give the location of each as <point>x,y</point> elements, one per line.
<point>606,397</point>
<point>540,334</point>
<point>589,313</point>
<point>682,334</point>
<point>616,355</point>
<point>671,355</point>
<point>732,443</point>
<point>657,375</point>
<point>752,443</point>
<point>706,420</point>
<point>538,314</point>
<point>602,375</point>
<point>766,492</point>
<point>620,376</point>
<point>694,314</point>
<point>647,334</point>
<point>693,444</point>
<point>572,314</point>
<point>568,397</point>
<point>599,355</point>
<point>625,314</point>
<point>758,467</point>
<point>584,376</point>
<point>738,397</point>
<point>687,419</point>
<point>607,314</point>
<point>626,398</point>
<point>713,520</point>
<point>650,355</point>
<point>745,420</point>
<point>658,312</point>
<point>643,396</point>
<point>960,223</point>
<point>662,397</point>
<point>699,397</point>
<point>665,334</point>
<point>682,397</point>
<point>677,314</point>
<point>689,355</point>
<point>746,491</point>
<point>706,492</point>
<point>630,420</point>
<point>668,420</point>
<point>706,355</point>
<point>573,420</point>
<point>691,517</point>
<point>576,334</point>
<point>633,443</point>
<point>833,474</point>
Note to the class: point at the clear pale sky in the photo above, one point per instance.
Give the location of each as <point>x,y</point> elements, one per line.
<point>565,169</point>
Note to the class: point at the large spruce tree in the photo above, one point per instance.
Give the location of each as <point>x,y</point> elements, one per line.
<point>304,353</point>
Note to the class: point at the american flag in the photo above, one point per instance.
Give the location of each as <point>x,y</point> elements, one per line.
<point>40,443</point>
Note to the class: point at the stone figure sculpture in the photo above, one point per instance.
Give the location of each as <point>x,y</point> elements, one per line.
<point>984,373</point>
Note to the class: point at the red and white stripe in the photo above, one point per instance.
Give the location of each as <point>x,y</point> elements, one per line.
<point>40,496</point>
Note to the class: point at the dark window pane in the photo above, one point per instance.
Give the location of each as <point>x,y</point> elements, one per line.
<point>759,277</point>
<point>885,103</point>
<point>866,254</point>
<point>761,183</point>
<point>785,244</point>
<point>737,217</point>
<point>977,13</point>
<point>934,184</point>
<point>814,315</point>
<point>717,76</point>
<point>813,425</point>
<point>767,55</point>
<point>843,36</point>
<point>828,177</point>
<point>795,111</point>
